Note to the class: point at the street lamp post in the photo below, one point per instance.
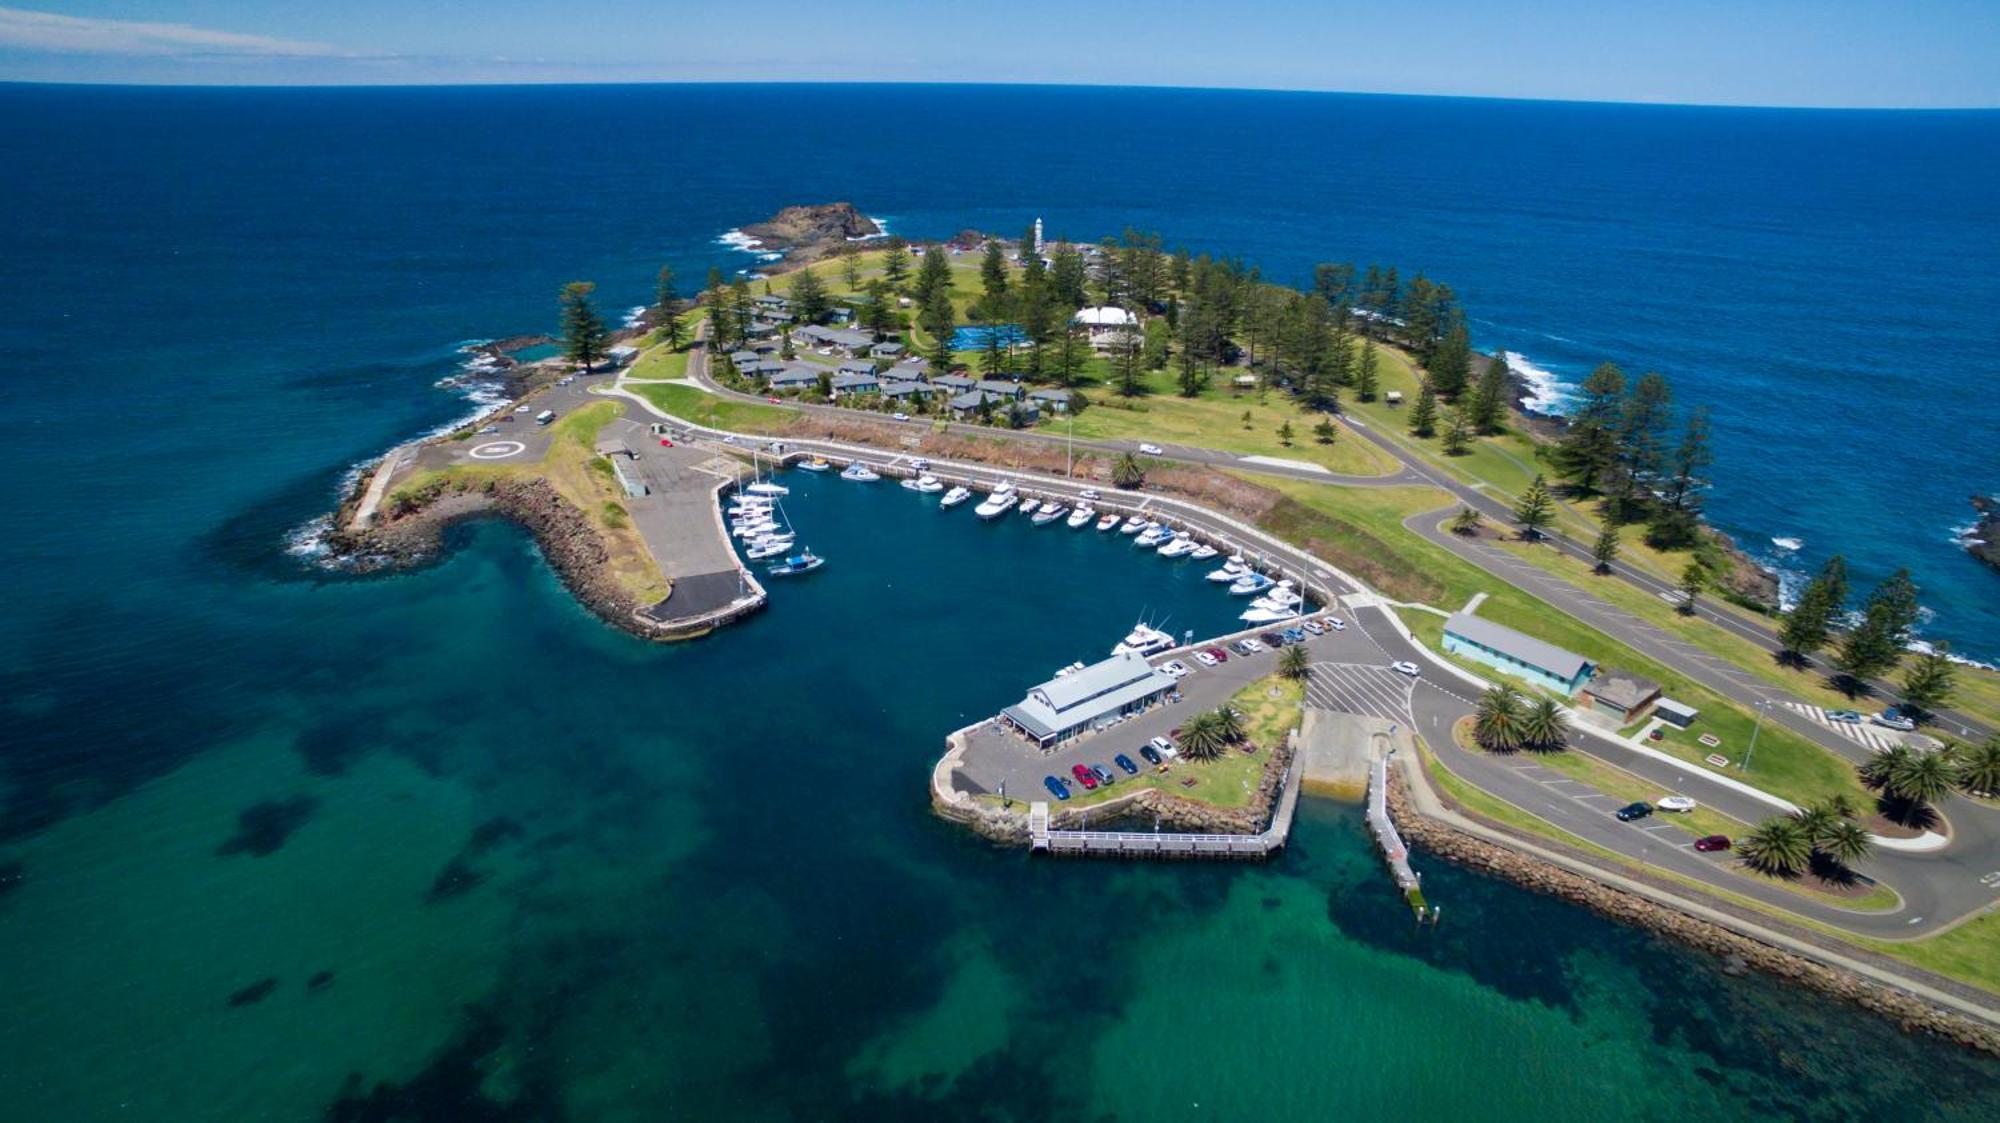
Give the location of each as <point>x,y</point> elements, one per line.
<point>1763,704</point>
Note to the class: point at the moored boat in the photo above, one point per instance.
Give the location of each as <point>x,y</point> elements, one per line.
<point>954,497</point>
<point>995,505</point>
<point>815,464</point>
<point>766,487</point>
<point>1029,505</point>
<point>1250,584</point>
<point>804,562</point>
<point>1144,639</point>
<point>925,483</point>
<point>1133,525</point>
<point>1050,512</point>
<point>1204,552</point>
<point>1083,514</point>
<point>1154,535</point>
<point>1255,615</point>
<point>1107,521</point>
<point>1180,547</point>
<point>859,473</point>
<point>1232,569</point>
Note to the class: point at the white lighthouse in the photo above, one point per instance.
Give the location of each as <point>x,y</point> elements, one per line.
<point>1038,235</point>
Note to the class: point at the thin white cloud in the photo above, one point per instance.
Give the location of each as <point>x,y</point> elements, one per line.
<point>76,35</point>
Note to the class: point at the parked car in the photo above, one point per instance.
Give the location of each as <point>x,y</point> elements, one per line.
<point>1675,803</point>
<point>1295,635</point>
<point>1206,659</point>
<point>1177,668</point>
<point>1090,493</point>
<point>1315,627</point>
<point>1085,777</point>
<point>900,416</point>
<point>1055,787</point>
<point>523,408</point>
<point>1125,762</point>
<point>1161,745</point>
<point>773,399</point>
<point>1853,717</point>
<point>920,463</point>
<point>1272,639</point>
<point>1104,775</point>
<point>1151,754</point>
<point>1336,623</point>
<point>1892,718</point>
<point>1632,811</point>
<point>1403,667</point>
<point>1221,656</point>
<point>1709,844</point>
<point>1152,450</point>
<point>489,430</point>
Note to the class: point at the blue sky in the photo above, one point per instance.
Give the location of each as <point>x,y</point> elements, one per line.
<point>1914,53</point>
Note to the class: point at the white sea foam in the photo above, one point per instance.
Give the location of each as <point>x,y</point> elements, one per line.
<point>1546,393</point>
<point>1789,545</point>
<point>738,240</point>
<point>881,230</point>
<point>635,316</point>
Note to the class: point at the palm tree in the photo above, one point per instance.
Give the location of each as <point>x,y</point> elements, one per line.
<point>1877,770</point>
<point>1295,664</point>
<point>1979,766</point>
<point>1846,842</point>
<point>1230,723</point>
<point>1127,472</point>
<point>1778,845</point>
<point>1818,821</point>
<point>1922,778</point>
<point>1839,803</point>
<point>1497,723</point>
<point>1201,738</point>
<point>1544,726</point>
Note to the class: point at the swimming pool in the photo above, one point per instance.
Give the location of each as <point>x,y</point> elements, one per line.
<point>975,338</point>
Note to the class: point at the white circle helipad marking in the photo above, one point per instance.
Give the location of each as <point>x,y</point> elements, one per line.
<point>497,450</point>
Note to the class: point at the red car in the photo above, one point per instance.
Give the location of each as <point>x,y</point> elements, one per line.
<point>1711,843</point>
<point>773,401</point>
<point>1085,777</point>
<point>665,443</point>
<point>1219,655</point>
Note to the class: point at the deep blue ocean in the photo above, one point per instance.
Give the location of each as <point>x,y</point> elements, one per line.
<point>281,844</point>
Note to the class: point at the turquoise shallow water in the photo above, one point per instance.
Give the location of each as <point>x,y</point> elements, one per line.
<point>549,871</point>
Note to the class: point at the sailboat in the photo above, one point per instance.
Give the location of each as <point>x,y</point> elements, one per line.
<point>761,486</point>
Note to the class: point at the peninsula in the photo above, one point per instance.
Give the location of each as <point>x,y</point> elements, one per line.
<point>1518,638</point>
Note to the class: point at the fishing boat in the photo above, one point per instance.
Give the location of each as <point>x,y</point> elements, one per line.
<point>1180,547</point>
<point>1283,595</point>
<point>1250,584</point>
<point>860,473</point>
<point>954,497</point>
<point>1232,569</point>
<point>1133,525</point>
<point>804,562</point>
<point>1006,488</point>
<point>1204,552</point>
<point>1029,504</point>
<point>1107,521</point>
<point>1154,535</point>
<point>996,504</point>
<point>1083,514</point>
<point>1144,639</point>
<point>816,464</point>
<point>926,483</point>
<point>1050,512</point>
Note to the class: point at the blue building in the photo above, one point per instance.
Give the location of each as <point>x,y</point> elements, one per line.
<point>1518,654</point>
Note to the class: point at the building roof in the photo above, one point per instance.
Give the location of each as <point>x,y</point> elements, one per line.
<point>1052,395</point>
<point>1539,654</point>
<point>995,386</point>
<point>904,387</point>
<point>849,381</point>
<point>835,336</point>
<point>855,366</point>
<point>956,381</point>
<point>1096,691</point>
<point>1676,709</point>
<point>741,357</point>
<point>1622,689</point>
<point>788,375</point>
<point>1105,316</point>
<point>891,347</point>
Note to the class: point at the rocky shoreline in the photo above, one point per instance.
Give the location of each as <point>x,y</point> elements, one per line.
<point>411,534</point>
<point>1737,953</point>
<point>1983,540</point>
<point>811,233</point>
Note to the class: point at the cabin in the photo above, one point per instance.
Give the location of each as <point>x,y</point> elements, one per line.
<point>1108,326</point>
<point>1012,391</point>
<point>744,359</point>
<point>794,377</point>
<point>857,366</point>
<point>1620,697</point>
<point>1393,397</point>
<point>1054,400</point>
<point>955,383</point>
<point>623,355</point>
<point>907,388</point>
<point>889,349</point>
<point>771,302</point>
<point>1515,653</point>
<point>850,382</point>
<point>1092,698</point>
<point>849,343</point>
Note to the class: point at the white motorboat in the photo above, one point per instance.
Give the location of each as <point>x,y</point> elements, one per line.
<point>926,483</point>
<point>1080,516</point>
<point>1250,584</point>
<point>1154,535</point>
<point>1283,595</point>
<point>1232,569</point>
<point>1133,525</point>
<point>766,487</point>
<point>1029,504</point>
<point>759,553</point>
<point>954,497</point>
<point>1204,552</point>
<point>1006,488</point>
<point>1144,639</point>
<point>804,562</point>
<point>1050,512</point>
<point>1107,521</point>
<point>860,473</point>
<point>996,504</point>
<point>815,464</point>
<point>1180,547</point>
<point>1255,615</point>
<point>1266,601</point>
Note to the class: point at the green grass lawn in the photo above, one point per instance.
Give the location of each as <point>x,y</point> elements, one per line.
<point>707,409</point>
<point>1231,779</point>
<point>1215,420</point>
<point>1786,764</point>
<point>660,363</point>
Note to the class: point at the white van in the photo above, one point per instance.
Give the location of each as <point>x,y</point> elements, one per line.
<point>544,417</point>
